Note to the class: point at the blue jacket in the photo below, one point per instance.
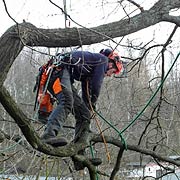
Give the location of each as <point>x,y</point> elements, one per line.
<point>91,69</point>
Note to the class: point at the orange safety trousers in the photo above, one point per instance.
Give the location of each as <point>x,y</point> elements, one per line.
<point>46,103</point>
<point>45,100</point>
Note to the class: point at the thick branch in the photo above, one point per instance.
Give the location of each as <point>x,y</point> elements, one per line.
<point>67,37</point>
<point>10,47</point>
<point>151,153</point>
<point>172,19</point>
<point>19,35</point>
<point>28,131</point>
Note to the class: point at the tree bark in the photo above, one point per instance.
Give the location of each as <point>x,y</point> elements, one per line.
<point>26,34</point>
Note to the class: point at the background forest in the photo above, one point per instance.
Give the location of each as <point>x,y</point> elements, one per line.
<point>149,55</point>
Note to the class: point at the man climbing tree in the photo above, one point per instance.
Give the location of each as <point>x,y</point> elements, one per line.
<point>90,69</point>
<point>26,34</point>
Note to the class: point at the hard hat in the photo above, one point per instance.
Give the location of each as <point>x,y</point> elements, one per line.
<point>116,59</point>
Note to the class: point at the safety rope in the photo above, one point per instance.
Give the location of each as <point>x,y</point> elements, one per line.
<point>97,123</point>
<point>152,97</point>
<point>111,125</point>
<point>145,107</point>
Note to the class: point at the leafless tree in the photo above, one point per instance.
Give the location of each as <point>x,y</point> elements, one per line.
<point>26,34</point>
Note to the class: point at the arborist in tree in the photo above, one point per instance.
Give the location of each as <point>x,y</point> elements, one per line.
<point>58,78</point>
<point>90,69</point>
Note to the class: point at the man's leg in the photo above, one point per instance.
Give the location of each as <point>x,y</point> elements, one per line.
<point>64,107</point>
<point>82,116</point>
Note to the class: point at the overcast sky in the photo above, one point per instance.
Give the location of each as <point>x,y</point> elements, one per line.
<point>89,13</point>
<point>44,14</point>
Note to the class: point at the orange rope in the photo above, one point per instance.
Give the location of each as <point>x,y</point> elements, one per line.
<point>98,124</point>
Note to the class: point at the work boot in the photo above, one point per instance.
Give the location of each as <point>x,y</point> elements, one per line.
<point>49,133</point>
<point>56,141</point>
<point>50,137</point>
